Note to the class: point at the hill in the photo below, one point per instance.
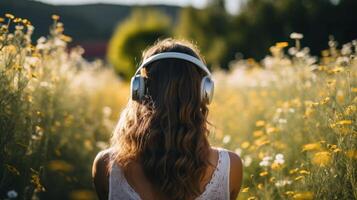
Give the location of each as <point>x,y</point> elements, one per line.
<point>89,22</point>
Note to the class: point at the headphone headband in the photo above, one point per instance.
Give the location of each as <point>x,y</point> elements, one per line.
<point>177,55</point>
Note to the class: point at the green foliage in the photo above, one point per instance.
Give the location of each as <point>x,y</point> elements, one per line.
<point>133,35</point>
<point>209,28</point>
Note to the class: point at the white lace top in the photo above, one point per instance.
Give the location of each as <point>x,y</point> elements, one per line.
<point>216,189</point>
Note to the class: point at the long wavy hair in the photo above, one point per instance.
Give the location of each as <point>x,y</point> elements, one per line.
<point>167,132</point>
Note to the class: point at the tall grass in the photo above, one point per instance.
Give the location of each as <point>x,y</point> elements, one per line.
<point>291,117</point>
<point>56,112</point>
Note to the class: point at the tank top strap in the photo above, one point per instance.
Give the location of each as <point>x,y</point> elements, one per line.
<point>225,168</point>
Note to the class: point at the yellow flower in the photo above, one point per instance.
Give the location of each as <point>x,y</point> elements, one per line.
<point>10,16</point>
<point>354,89</point>
<point>259,123</point>
<point>304,172</point>
<point>55,17</point>
<point>272,179</point>
<point>325,101</point>
<point>299,178</point>
<point>252,198</point>
<point>258,133</point>
<point>260,186</point>
<point>281,44</point>
<point>276,166</point>
<point>344,122</point>
<point>245,189</point>
<point>352,154</point>
<point>265,173</point>
<point>321,158</point>
<point>304,196</point>
<point>293,171</point>
<point>245,145</point>
<point>271,130</point>
<point>289,193</point>
<point>350,110</point>
<point>311,147</point>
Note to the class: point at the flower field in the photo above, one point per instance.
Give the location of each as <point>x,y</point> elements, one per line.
<point>291,117</point>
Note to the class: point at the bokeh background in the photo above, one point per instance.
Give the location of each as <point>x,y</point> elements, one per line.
<point>285,100</point>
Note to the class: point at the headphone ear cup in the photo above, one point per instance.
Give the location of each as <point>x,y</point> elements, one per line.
<point>137,88</point>
<point>207,89</point>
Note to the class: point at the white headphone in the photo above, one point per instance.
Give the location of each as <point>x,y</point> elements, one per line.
<point>138,88</point>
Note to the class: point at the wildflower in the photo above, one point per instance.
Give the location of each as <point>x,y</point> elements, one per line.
<point>325,101</point>
<point>299,178</point>
<point>271,130</point>
<point>311,147</point>
<point>282,44</point>
<point>304,172</point>
<point>293,171</point>
<point>226,139</point>
<point>266,161</point>
<point>275,166</point>
<point>289,193</point>
<point>321,158</point>
<point>259,123</point>
<point>10,16</point>
<point>296,36</point>
<point>258,133</point>
<point>304,196</point>
<point>350,110</point>
<point>2,19</point>
<point>245,189</point>
<point>238,151</point>
<point>272,179</point>
<point>265,173</point>
<point>354,89</point>
<point>55,17</point>
<point>245,144</point>
<point>12,194</point>
<point>281,183</point>
<point>252,198</point>
<point>35,179</point>
<point>260,186</point>
<point>352,154</point>
<point>344,122</point>
<point>247,160</point>
<point>279,158</point>
<point>17,20</point>
<point>66,38</point>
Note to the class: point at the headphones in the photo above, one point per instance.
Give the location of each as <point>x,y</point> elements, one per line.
<point>138,89</point>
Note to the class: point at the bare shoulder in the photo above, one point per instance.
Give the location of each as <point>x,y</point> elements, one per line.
<point>100,173</point>
<point>236,174</point>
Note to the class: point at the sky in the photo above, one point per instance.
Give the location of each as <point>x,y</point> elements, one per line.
<point>232,6</point>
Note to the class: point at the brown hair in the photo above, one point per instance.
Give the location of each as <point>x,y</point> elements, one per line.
<point>167,132</point>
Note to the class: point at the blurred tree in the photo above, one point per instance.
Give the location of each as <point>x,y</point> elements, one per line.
<point>133,35</point>
<point>209,28</point>
<point>261,23</point>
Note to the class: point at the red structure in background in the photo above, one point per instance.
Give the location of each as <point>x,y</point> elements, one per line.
<point>93,49</point>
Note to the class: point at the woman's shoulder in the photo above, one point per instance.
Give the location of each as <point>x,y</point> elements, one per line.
<point>100,173</point>
<point>236,170</point>
<point>102,159</point>
<point>234,157</point>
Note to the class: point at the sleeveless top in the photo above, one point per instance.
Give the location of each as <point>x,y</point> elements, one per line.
<point>216,189</point>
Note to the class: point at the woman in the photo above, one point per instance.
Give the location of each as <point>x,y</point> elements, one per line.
<point>159,149</point>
